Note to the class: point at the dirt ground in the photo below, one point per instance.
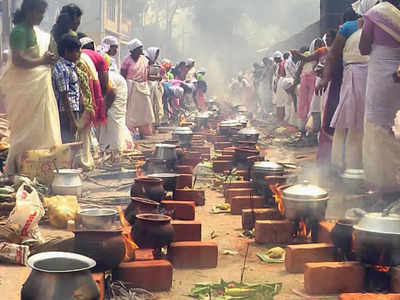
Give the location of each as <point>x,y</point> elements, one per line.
<point>227,229</point>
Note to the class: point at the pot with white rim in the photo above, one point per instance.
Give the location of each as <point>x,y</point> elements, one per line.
<point>67,182</point>
<point>96,218</point>
<point>261,169</point>
<point>353,179</point>
<point>377,239</point>
<point>229,127</point>
<point>305,201</point>
<point>248,134</point>
<point>184,135</point>
<point>60,276</point>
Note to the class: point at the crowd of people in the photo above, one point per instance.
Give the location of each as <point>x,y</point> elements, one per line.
<point>341,92</point>
<point>61,87</point>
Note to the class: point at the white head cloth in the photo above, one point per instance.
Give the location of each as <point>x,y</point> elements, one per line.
<point>277,54</point>
<point>106,43</point>
<point>134,44</point>
<point>86,40</point>
<point>361,7</point>
<point>151,53</point>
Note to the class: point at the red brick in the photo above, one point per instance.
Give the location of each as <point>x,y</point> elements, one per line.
<point>324,233</point>
<point>184,210</point>
<point>220,166</point>
<point>191,162</point>
<point>186,230</point>
<point>333,278</point>
<point>184,180</point>
<point>202,149</point>
<point>100,282</point>
<point>237,185</point>
<point>230,193</point>
<point>274,231</point>
<point>143,254</point>
<point>184,169</point>
<point>222,145</point>
<point>359,296</point>
<point>395,284</point>
<point>298,255</point>
<point>244,202</point>
<point>198,196</point>
<point>193,254</point>
<point>151,275</point>
<point>249,216</point>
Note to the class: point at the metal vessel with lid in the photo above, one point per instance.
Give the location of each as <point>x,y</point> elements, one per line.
<point>305,200</point>
<point>377,239</point>
<point>248,134</point>
<point>354,179</point>
<point>184,135</point>
<point>229,128</point>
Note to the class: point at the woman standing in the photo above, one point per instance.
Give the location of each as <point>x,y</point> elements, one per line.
<point>135,69</point>
<point>156,87</point>
<point>30,101</point>
<point>348,119</point>
<point>381,40</point>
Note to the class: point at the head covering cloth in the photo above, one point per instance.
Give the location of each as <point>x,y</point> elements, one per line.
<point>151,53</point>
<point>361,7</point>
<point>134,44</point>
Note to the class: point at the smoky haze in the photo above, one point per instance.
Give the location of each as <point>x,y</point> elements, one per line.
<point>226,34</point>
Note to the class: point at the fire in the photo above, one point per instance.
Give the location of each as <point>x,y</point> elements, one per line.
<point>183,120</point>
<point>277,194</point>
<point>139,170</point>
<point>130,246</point>
<point>302,230</point>
<point>381,268</point>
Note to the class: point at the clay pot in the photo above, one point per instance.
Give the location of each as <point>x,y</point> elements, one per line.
<point>151,188</point>
<point>106,247</point>
<point>140,206</point>
<point>61,276</point>
<point>152,231</point>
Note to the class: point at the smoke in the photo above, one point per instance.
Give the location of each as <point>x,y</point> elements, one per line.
<point>225,35</point>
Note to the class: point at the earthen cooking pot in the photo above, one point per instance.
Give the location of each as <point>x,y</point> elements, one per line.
<point>60,276</point>
<point>152,231</point>
<point>106,247</point>
<point>151,188</point>
<point>140,206</point>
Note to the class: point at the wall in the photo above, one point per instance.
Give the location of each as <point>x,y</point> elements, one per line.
<point>332,13</point>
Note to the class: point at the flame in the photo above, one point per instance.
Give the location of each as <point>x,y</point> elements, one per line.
<point>130,246</point>
<point>182,121</point>
<point>139,168</point>
<point>302,230</point>
<point>277,194</point>
<point>381,268</point>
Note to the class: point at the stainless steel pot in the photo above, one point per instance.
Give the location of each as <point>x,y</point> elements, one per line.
<point>166,152</point>
<point>202,120</point>
<point>305,200</point>
<point>67,182</point>
<point>229,128</point>
<point>377,239</point>
<point>353,179</point>
<point>264,168</point>
<point>248,134</point>
<point>184,136</point>
<point>60,276</point>
<point>97,218</point>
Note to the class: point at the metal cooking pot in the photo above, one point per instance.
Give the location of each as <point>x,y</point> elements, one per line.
<point>67,182</point>
<point>248,134</point>
<point>184,135</point>
<point>264,168</point>
<point>377,239</point>
<point>97,218</point>
<point>354,179</point>
<point>229,128</point>
<point>305,200</point>
<point>68,273</point>
<point>165,151</point>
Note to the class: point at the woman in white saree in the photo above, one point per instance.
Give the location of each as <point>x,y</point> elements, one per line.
<point>30,101</point>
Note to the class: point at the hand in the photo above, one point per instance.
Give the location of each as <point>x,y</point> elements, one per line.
<point>321,87</point>
<point>49,59</point>
<point>360,22</point>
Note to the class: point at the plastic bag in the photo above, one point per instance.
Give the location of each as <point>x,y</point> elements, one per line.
<point>27,213</point>
<point>13,253</point>
<point>61,209</point>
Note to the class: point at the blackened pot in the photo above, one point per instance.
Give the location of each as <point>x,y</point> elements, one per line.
<point>140,206</point>
<point>151,188</point>
<point>107,248</point>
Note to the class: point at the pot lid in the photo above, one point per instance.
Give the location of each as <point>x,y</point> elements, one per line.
<point>380,223</point>
<point>268,166</point>
<point>248,131</point>
<point>305,191</point>
<point>230,123</point>
<point>98,212</point>
<point>169,146</point>
<point>183,130</point>
<point>353,174</point>
<point>163,175</point>
<point>68,171</point>
<point>203,115</point>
